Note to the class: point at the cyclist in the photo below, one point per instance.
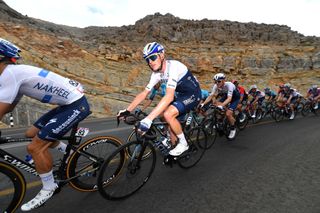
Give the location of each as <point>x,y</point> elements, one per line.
<point>290,97</point>
<point>48,87</point>
<point>159,89</point>
<point>257,98</point>
<point>314,95</point>
<point>179,80</point>
<point>229,95</point>
<point>243,99</point>
<point>270,93</point>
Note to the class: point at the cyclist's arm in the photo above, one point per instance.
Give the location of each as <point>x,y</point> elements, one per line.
<point>138,99</point>
<point>208,99</point>
<point>163,104</point>
<point>289,99</point>
<point>5,108</point>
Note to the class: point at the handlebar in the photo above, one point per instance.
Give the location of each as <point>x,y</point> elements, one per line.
<point>134,119</point>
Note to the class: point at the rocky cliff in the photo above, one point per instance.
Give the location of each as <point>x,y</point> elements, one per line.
<point>108,61</point>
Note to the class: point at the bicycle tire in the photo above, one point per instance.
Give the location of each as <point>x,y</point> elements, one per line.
<point>259,115</point>
<point>278,115</point>
<point>209,127</point>
<point>242,125</point>
<point>197,140</point>
<point>132,137</point>
<point>19,187</point>
<point>86,169</point>
<point>306,109</point>
<point>117,185</point>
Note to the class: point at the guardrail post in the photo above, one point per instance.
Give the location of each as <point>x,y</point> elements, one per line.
<point>11,120</point>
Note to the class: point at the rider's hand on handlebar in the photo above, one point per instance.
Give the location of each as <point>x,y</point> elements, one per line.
<point>220,107</point>
<point>123,113</point>
<point>144,126</point>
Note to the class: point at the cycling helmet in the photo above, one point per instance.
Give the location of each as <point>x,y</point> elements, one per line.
<point>314,87</point>
<point>267,89</point>
<point>219,76</point>
<point>253,87</point>
<point>151,49</point>
<point>287,85</point>
<point>9,50</point>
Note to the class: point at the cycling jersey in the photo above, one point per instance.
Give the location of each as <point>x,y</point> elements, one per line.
<point>291,92</point>
<point>37,83</point>
<point>227,90</point>
<point>47,87</point>
<point>178,77</point>
<point>271,94</point>
<point>257,93</point>
<point>314,93</point>
<point>204,94</point>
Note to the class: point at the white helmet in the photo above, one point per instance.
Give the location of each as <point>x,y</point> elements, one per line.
<point>219,76</point>
<point>151,49</point>
<point>253,87</point>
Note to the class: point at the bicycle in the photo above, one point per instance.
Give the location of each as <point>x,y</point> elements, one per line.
<point>281,112</point>
<point>309,106</point>
<point>137,168</point>
<point>78,169</point>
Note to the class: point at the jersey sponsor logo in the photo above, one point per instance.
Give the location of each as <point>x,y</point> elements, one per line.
<point>70,119</point>
<point>189,100</point>
<point>74,83</point>
<point>52,121</point>
<point>52,89</point>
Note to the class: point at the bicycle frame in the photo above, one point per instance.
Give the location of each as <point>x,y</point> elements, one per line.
<point>73,140</point>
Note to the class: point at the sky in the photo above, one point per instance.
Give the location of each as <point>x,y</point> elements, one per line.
<point>301,15</point>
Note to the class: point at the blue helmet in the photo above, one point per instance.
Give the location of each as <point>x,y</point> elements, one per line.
<point>151,49</point>
<point>9,50</point>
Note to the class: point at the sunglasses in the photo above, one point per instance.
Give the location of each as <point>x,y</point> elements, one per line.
<point>218,81</point>
<point>152,58</point>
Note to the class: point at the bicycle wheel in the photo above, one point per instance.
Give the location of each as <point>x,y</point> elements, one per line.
<point>12,187</point>
<point>133,137</point>
<point>209,127</point>
<point>306,109</point>
<point>242,125</point>
<point>197,140</point>
<point>82,170</point>
<point>259,115</point>
<point>114,184</point>
<point>278,115</point>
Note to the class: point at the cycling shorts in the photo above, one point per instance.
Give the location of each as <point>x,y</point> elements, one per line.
<point>57,122</point>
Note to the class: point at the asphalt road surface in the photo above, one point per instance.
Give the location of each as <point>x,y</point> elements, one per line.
<point>270,167</point>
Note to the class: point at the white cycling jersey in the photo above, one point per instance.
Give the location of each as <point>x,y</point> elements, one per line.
<point>228,88</point>
<point>37,83</point>
<point>174,72</point>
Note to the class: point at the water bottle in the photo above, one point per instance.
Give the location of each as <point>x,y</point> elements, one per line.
<point>158,144</point>
<point>29,159</point>
<point>189,119</point>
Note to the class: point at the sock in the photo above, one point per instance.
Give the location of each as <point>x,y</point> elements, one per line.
<point>61,147</point>
<point>48,180</point>
<point>182,139</point>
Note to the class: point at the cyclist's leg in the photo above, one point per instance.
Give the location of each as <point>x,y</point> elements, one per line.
<point>175,128</point>
<point>60,123</point>
<point>180,106</point>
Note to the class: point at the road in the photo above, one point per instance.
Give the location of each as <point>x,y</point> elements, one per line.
<point>270,167</point>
